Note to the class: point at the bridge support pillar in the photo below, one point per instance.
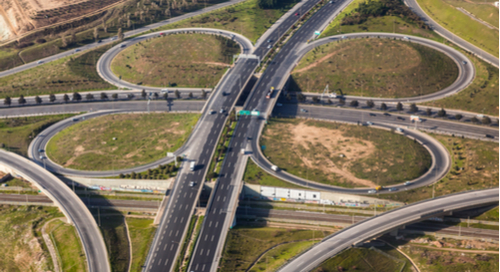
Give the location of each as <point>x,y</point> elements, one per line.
<point>394,232</point>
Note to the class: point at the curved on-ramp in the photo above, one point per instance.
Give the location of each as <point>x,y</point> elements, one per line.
<point>104,63</point>
<point>69,203</point>
<point>386,222</point>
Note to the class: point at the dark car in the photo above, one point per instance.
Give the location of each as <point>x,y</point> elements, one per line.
<point>373,114</point>
<point>401,118</point>
<point>387,114</point>
<point>490,136</point>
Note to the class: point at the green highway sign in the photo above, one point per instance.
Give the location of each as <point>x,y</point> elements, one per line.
<point>255,113</point>
<point>317,33</point>
<point>244,112</point>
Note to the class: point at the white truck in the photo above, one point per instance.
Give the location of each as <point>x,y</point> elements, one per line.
<point>192,165</point>
<point>275,168</point>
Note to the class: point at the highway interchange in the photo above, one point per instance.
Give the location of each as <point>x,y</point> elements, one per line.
<point>202,143</point>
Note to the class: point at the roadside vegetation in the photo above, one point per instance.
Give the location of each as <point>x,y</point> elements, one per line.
<point>141,232</point>
<point>120,140</point>
<point>244,245</point>
<point>16,133</point>
<point>21,240</point>
<point>479,160</point>
<point>343,155</point>
<point>69,248</point>
<point>114,233</point>
<point>383,68</point>
<point>247,18</point>
<point>255,175</point>
<point>180,60</point>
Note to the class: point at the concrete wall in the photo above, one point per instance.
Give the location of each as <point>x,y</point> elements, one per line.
<point>134,185</point>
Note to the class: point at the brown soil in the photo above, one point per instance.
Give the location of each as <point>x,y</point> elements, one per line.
<point>353,149</point>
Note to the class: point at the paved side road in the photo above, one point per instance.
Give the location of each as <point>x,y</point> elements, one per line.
<point>386,222</point>
<point>69,203</point>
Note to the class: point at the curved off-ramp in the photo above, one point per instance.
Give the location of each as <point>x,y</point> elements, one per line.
<point>68,202</point>
<point>386,222</point>
<point>104,63</point>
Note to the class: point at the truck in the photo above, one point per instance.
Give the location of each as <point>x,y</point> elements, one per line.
<point>275,168</point>
<point>378,188</point>
<point>415,118</point>
<point>192,165</point>
<point>270,93</point>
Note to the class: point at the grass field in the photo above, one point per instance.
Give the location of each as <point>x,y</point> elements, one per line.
<point>17,133</point>
<point>343,155</point>
<point>68,246</point>
<point>115,236</point>
<point>255,175</point>
<point>75,73</point>
<point>364,259</point>
<point>479,160</point>
<point>462,25</point>
<point>489,215</point>
<point>141,235</point>
<point>184,60</point>
<point>20,238</point>
<point>482,10</point>
<point>480,96</point>
<point>384,68</point>
<point>245,244</point>
<point>140,139</point>
<point>245,18</point>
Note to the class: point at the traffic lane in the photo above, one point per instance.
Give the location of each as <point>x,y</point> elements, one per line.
<point>141,106</point>
<point>354,115</point>
<point>83,221</point>
<point>384,223</point>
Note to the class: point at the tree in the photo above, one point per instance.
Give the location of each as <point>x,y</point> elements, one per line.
<point>130,96</point>
<point>315,99</point>
<point>104,26</point>
<point>21,100</point>
<point>104,96</point>
<point>474,120</point>
<point>114,96</point>
<point>413,107</point>
<point>66,98</point>
<point>155,95</point>
<point>341,101</point>
<point>64,43</point>
<point>177,94</point>
<point>77,96</point>
<point>165,96</point>
<point>190,95</point>
<point>38,100</point>
<point>89,96</point>
<point>399,106</point>
<point>143,94</point>
<point>354,103</point>
<point>383,106</point>
<point>486,120</point>
<point>458,116</point>
<point>120,34</point>
<point>370,103</point>
<point>203,94</point>
<point>96,33</point>
<point>7,101</point>
<point>73,36</point>
<point>52,98</point>
<point>301,97</point>
<point>442,113</point>
<point>428,111</point>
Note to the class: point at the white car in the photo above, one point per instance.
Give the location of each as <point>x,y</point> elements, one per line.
<point>39,62</point>
<point>406,38</point>
<point>407,183</point>
<point>372,191</point>
<point>191,184</point>
<point>164,91</point>
<point>399,130</point>
<point>369,123</point>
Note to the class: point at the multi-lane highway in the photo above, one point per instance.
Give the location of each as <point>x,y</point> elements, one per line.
<point>72,207</point>
<point>413,5</point>
<point>386,222</point>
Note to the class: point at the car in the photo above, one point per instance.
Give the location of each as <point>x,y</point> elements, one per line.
<point>164,91</point>
<point>123,45</point>
<point>99,41</point>
<point>77,50</point>
<point>212,111</point>
<point>343,37</point>
<point>191,184</point>
<point>249,137</point>
<point>297,14</point>
<point>401,118</point>
<point>114,38</point>
<point>255,109</point>
<point>393,189</point>
<point>161,34</point>
<point>41,150</point>
<point>407,183</point>
<point>39,62</point>
<point>399,130</point>
<point>303,110</point>
<point>42,157</point>
<point>279,104</point>
<point>464,62</point>
<point>369,123</point>
<point>387,114</point>
<point>490,136</point>
<point>269,40</point>
<point>372,191</point>
<point>269,46</point>
<point>406,38</point>
<point>221,110</point>
<point>373,114</point>
<point>331,2</point>
<point>75,119</point>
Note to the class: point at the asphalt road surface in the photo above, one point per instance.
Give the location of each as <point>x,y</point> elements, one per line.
<point>386,222</point>
<point>69,203</point>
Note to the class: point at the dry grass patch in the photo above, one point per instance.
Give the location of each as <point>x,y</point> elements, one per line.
<point>343,155</point>
<point>140,139</point>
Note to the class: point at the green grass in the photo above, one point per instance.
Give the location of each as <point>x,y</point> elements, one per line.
<point>480,96</point>
<point>68,246</point>
<point>184,60</point>
<point>462,25</point>
<point>480,162</point>
<point>18,183</point>
<point>115,236</point>
<point>20,238</point>
<point>255,175</point>
<point>364,259</point>
<point>141,235</point>
<point>73,73</point>
<point>484,11</point>
<point>245,18</point>
<point>195,236</point>
<point>276,257</point>
<point>385,68</point>
<point>245,244</point>
<point>140,139</point>
<point>17,133</point>
<point>489,215</point>
<point>313,149</point>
